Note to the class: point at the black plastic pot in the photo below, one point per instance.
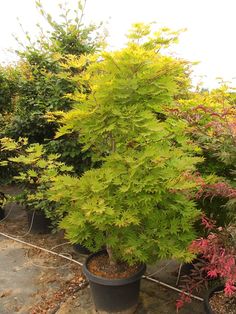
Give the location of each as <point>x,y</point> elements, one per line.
<point>81,249</point>
<point>187,268</point>
<point>38,222</point>
<point>114,295</point>
<point>2,213</point>
<point>2,201</point>
<point>210,293</point>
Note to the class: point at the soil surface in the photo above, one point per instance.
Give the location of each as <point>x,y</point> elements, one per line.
<point>221,304</point>
<point>100,266</point>
<point>36,282</point>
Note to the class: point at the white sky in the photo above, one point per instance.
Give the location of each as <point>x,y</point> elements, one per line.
<point>210,36</point>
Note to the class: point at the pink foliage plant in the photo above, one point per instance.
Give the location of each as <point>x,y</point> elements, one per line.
<point>217,260</point>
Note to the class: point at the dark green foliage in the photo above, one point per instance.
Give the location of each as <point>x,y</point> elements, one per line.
<point>8,91</point>
<point>8,88</point>
<point>40,90</point>
<point>69,36</point>
<point>43,83</point>
<point>70,152</point>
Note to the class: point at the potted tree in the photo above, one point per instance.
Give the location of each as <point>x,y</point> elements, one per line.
<point>138,203</point>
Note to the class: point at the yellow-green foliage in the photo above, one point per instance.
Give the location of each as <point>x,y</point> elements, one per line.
<point>36,170</point>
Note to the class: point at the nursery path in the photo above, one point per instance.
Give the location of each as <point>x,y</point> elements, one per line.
<point>35,282</point>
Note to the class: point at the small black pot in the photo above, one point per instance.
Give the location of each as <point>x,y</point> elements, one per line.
<point>2,213</point>
<point>210,293</point>
<point>38,222</point>
<point>187,268</point>
<point>114,295</point>
<point>81,249</point>
<point>2,201</point>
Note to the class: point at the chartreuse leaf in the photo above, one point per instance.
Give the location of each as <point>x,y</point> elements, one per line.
<point>32,173</point>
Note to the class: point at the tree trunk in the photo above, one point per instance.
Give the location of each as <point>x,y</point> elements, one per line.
<point>110,254</point>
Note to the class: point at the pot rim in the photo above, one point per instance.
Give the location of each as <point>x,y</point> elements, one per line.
<point>111,282</point>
